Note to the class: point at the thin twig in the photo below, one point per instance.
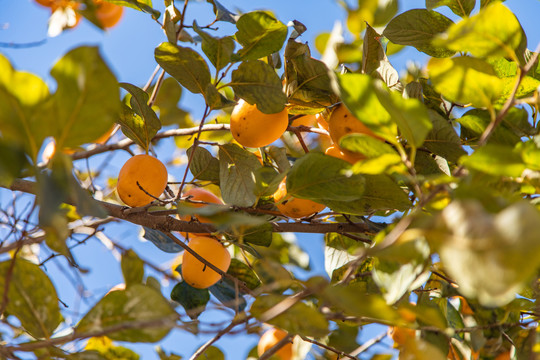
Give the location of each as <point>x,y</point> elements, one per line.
<point>329,348</point>
<point>365,346</point>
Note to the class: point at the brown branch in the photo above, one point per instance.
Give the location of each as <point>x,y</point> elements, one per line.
<point>125,143</point>
<point>169,223</point>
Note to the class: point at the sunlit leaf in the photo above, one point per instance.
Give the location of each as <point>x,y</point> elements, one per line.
<point>132,268</point>
<point>461,8</point>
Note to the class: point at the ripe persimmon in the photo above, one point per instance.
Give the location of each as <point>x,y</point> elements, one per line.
<point>323,124</point>
<point>342,123</point>
<point>198,274</point>
<point>400,335</point>
<point>108,14</point>
<point>335,151</point>
<point>199,194</point>
<point>270,338</point>
<point>141,171</point>
<point>305,120</point>
<point>294,207</point>
<point>253,128</point>
<point>46,3</point>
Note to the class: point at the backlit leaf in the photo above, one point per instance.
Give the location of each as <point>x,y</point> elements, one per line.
<point>461,8</point>
<point>493,32</point>
<point>466,80</point>
<point>132,268</point>
<point>496,160</point>
<point>260,34</point>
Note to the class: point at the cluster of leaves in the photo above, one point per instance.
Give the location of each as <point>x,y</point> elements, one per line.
<point>458,171</point>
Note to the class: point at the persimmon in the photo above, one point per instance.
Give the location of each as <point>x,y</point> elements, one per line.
<point>198,274</point>
<point>138,173</point>
<point>342,123</point>
<point>400,335</point>
<point>253,128</point>
<point>335,151</point>
<point>108,14</point>
<point>294,207</point>
<point>323,124</point>
<point>46,3</point>
<point>305,120</point>
<point>503,356</point>
<point>199,194</point>
<point>270,338</point>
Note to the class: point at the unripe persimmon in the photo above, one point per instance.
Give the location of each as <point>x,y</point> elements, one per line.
<point>342,123</point>
<point>108,14</point>
<point>294,207</point>
<point>196,273</point>
<point>253,128</point>
<point>335,151</point>
<point>270,338</point>
<point>141,171</point>
<point>199,194</point>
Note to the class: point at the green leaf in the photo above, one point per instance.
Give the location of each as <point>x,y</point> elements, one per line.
<point>367,145</point>
<point>192,299</point>
<point>218,50</point>
<point>418,28</point>
<point>244,273</point>
<point>36,307</point>
<point>105,347</point>
<point>410,115</point>
<point>443,140</point>
<point>215,99</point>
<point>260,34</point>
<point>477,247</point>
<point>236,175</point>
<point>142,124</point>
<point>497,160</point>
<point>374,60</point>
<point>401,268</point>
<point>352,300</point>
<point>493,32</point>
<point>185,65</point>
<point>509,132</point>
<point>132,268</point>
<point>272,273</point>
<point>358,93</point>
<point>141,5</point>
<point>227,293</point>
<point>320,177</point>
<point>212,353</point>
<point>12,162</point>
<point>466,80</point>
<point>307,79</point>
<point>300,319</point>
<point>257,83</point>
<point>144,311</point>
<point>203,165</point>
<point>86,100</point>
<point>161,241</point>
<point>461,8</point>
<point>267,181</point>
<point>381,193</point>
<point>257,235</point>
<point>167,102</point>
<point>222,14</point>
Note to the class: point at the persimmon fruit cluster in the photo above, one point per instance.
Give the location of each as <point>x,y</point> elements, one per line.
<point>198,274</point>
<point>250,127</point>
<point>108,14</point>
<point>141,179</point>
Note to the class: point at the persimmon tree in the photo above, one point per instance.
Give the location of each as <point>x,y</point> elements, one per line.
<point>430,215</point>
